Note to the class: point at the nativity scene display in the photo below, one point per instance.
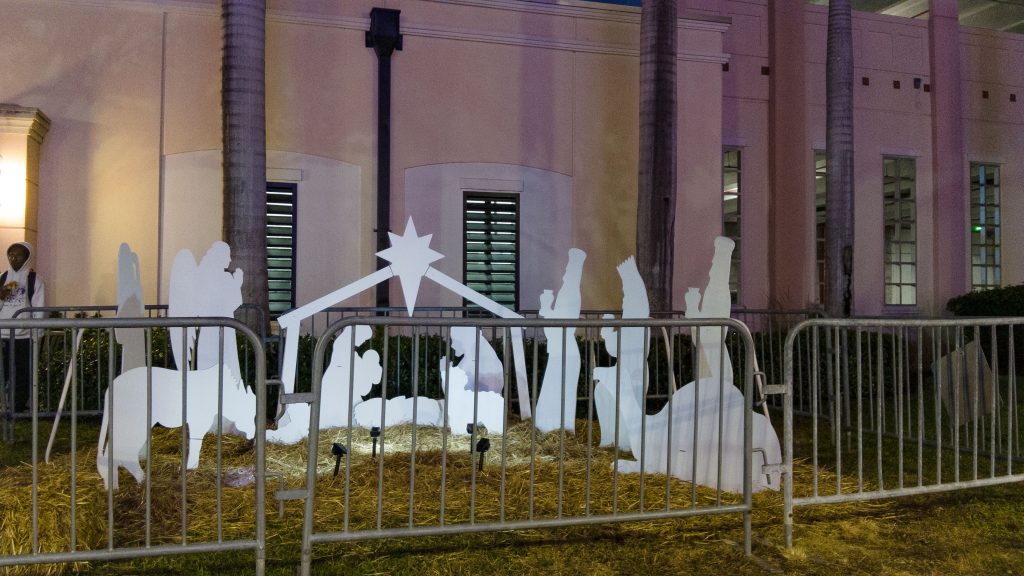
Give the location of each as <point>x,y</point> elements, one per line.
<point>618,386</point>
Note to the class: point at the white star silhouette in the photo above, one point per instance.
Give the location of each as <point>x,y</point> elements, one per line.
<point>410,256</point>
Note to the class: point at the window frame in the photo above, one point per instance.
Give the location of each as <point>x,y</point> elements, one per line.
<point>469,195</point>
<point>974,223</point>
<point>736,218</point>
<point>821,223</point>
<point>906,259</point>
<point>292,189</point>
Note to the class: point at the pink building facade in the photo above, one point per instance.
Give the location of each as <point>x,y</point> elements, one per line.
<point>531,104</point>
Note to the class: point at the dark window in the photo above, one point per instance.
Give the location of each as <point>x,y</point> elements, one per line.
<point>491,246</point>
<point>281,246</point>
<point>899,190</point>
<point>986,227</point>
<point>731,204</point>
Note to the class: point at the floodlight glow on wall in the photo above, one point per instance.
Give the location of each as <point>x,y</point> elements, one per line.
<point>21,135</point>
<point>12,191</point>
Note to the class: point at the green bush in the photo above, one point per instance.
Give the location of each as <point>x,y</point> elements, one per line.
<point>1007,301</point>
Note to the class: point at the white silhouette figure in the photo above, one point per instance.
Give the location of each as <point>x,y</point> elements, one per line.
<point>130,304</point>
<point>466,407</point>
<point>706,445</point>
<point>131,396</point>
<point>629,347</point>
<point>399,410</point>
<point>348,378</point>
<point>716,303</point>
<point>556,403</point>
<point>703,404</point>
<point>206,289</point>
<point>479,361</point>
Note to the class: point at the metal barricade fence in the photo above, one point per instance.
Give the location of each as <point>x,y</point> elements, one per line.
<point>417,479</point>
<point>95,354</point>
<point>768,328</point>
<point>68,514</point>
<point>900,407</point>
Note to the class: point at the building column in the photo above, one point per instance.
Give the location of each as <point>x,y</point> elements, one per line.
<point>21,134</point>
<point>791,257</point>
<point>949,173</point>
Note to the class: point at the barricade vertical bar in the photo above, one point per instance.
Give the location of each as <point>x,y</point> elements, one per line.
<point>993,409</point>
<point>939,382</point>
<point>975,413</point>
<point>920,405</point>
<point>898,383</point>
<point>696,414</point>
<point>185,456</point>
<point>618,418</point>
<point>412,449</point>
<point>787,435</point>
<point>842,396</point>
<point>73,489</point>
<point>834,414</point>
<point>879,407</point>
<point>591,392</point>
<point>561,429</point>
<point>34,405</point>
<point>748,419</point>
<point>815,365</point>
<point>105,408</point>
<point>444,423</point>
<point>149,440</point>
<point>383,417</point>
<point>1011,413</point>
<point>506,363</point>
<point>721,418</point>
<point>671,394</point>
<point>260,390</point>
<point>645,397</point>
<point>473,428</point>
<point>220,432</point>
<point>533,430</point>
<point>314,439</point>
<point>872,373</point>
<point>860,410</point>
<point>955,389</point>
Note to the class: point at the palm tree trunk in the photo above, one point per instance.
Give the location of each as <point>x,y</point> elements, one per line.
<point>244,126</point>
<point>839,148</point>
<point>656,200</point>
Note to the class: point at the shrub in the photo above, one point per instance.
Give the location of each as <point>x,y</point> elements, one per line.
<point>1007,301</point>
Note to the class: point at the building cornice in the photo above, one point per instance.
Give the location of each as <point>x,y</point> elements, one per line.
<point>22,120</point>
<point>688,20</point>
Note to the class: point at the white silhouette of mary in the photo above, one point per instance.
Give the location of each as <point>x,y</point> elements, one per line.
<point>479,361</point>
<point>348,378</point>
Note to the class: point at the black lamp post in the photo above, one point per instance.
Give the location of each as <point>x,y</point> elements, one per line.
<point>384,38</point>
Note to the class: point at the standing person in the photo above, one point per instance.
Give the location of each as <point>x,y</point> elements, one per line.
<point>20,287</point>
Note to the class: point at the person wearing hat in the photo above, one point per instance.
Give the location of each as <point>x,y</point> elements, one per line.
<point>20,287</point>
